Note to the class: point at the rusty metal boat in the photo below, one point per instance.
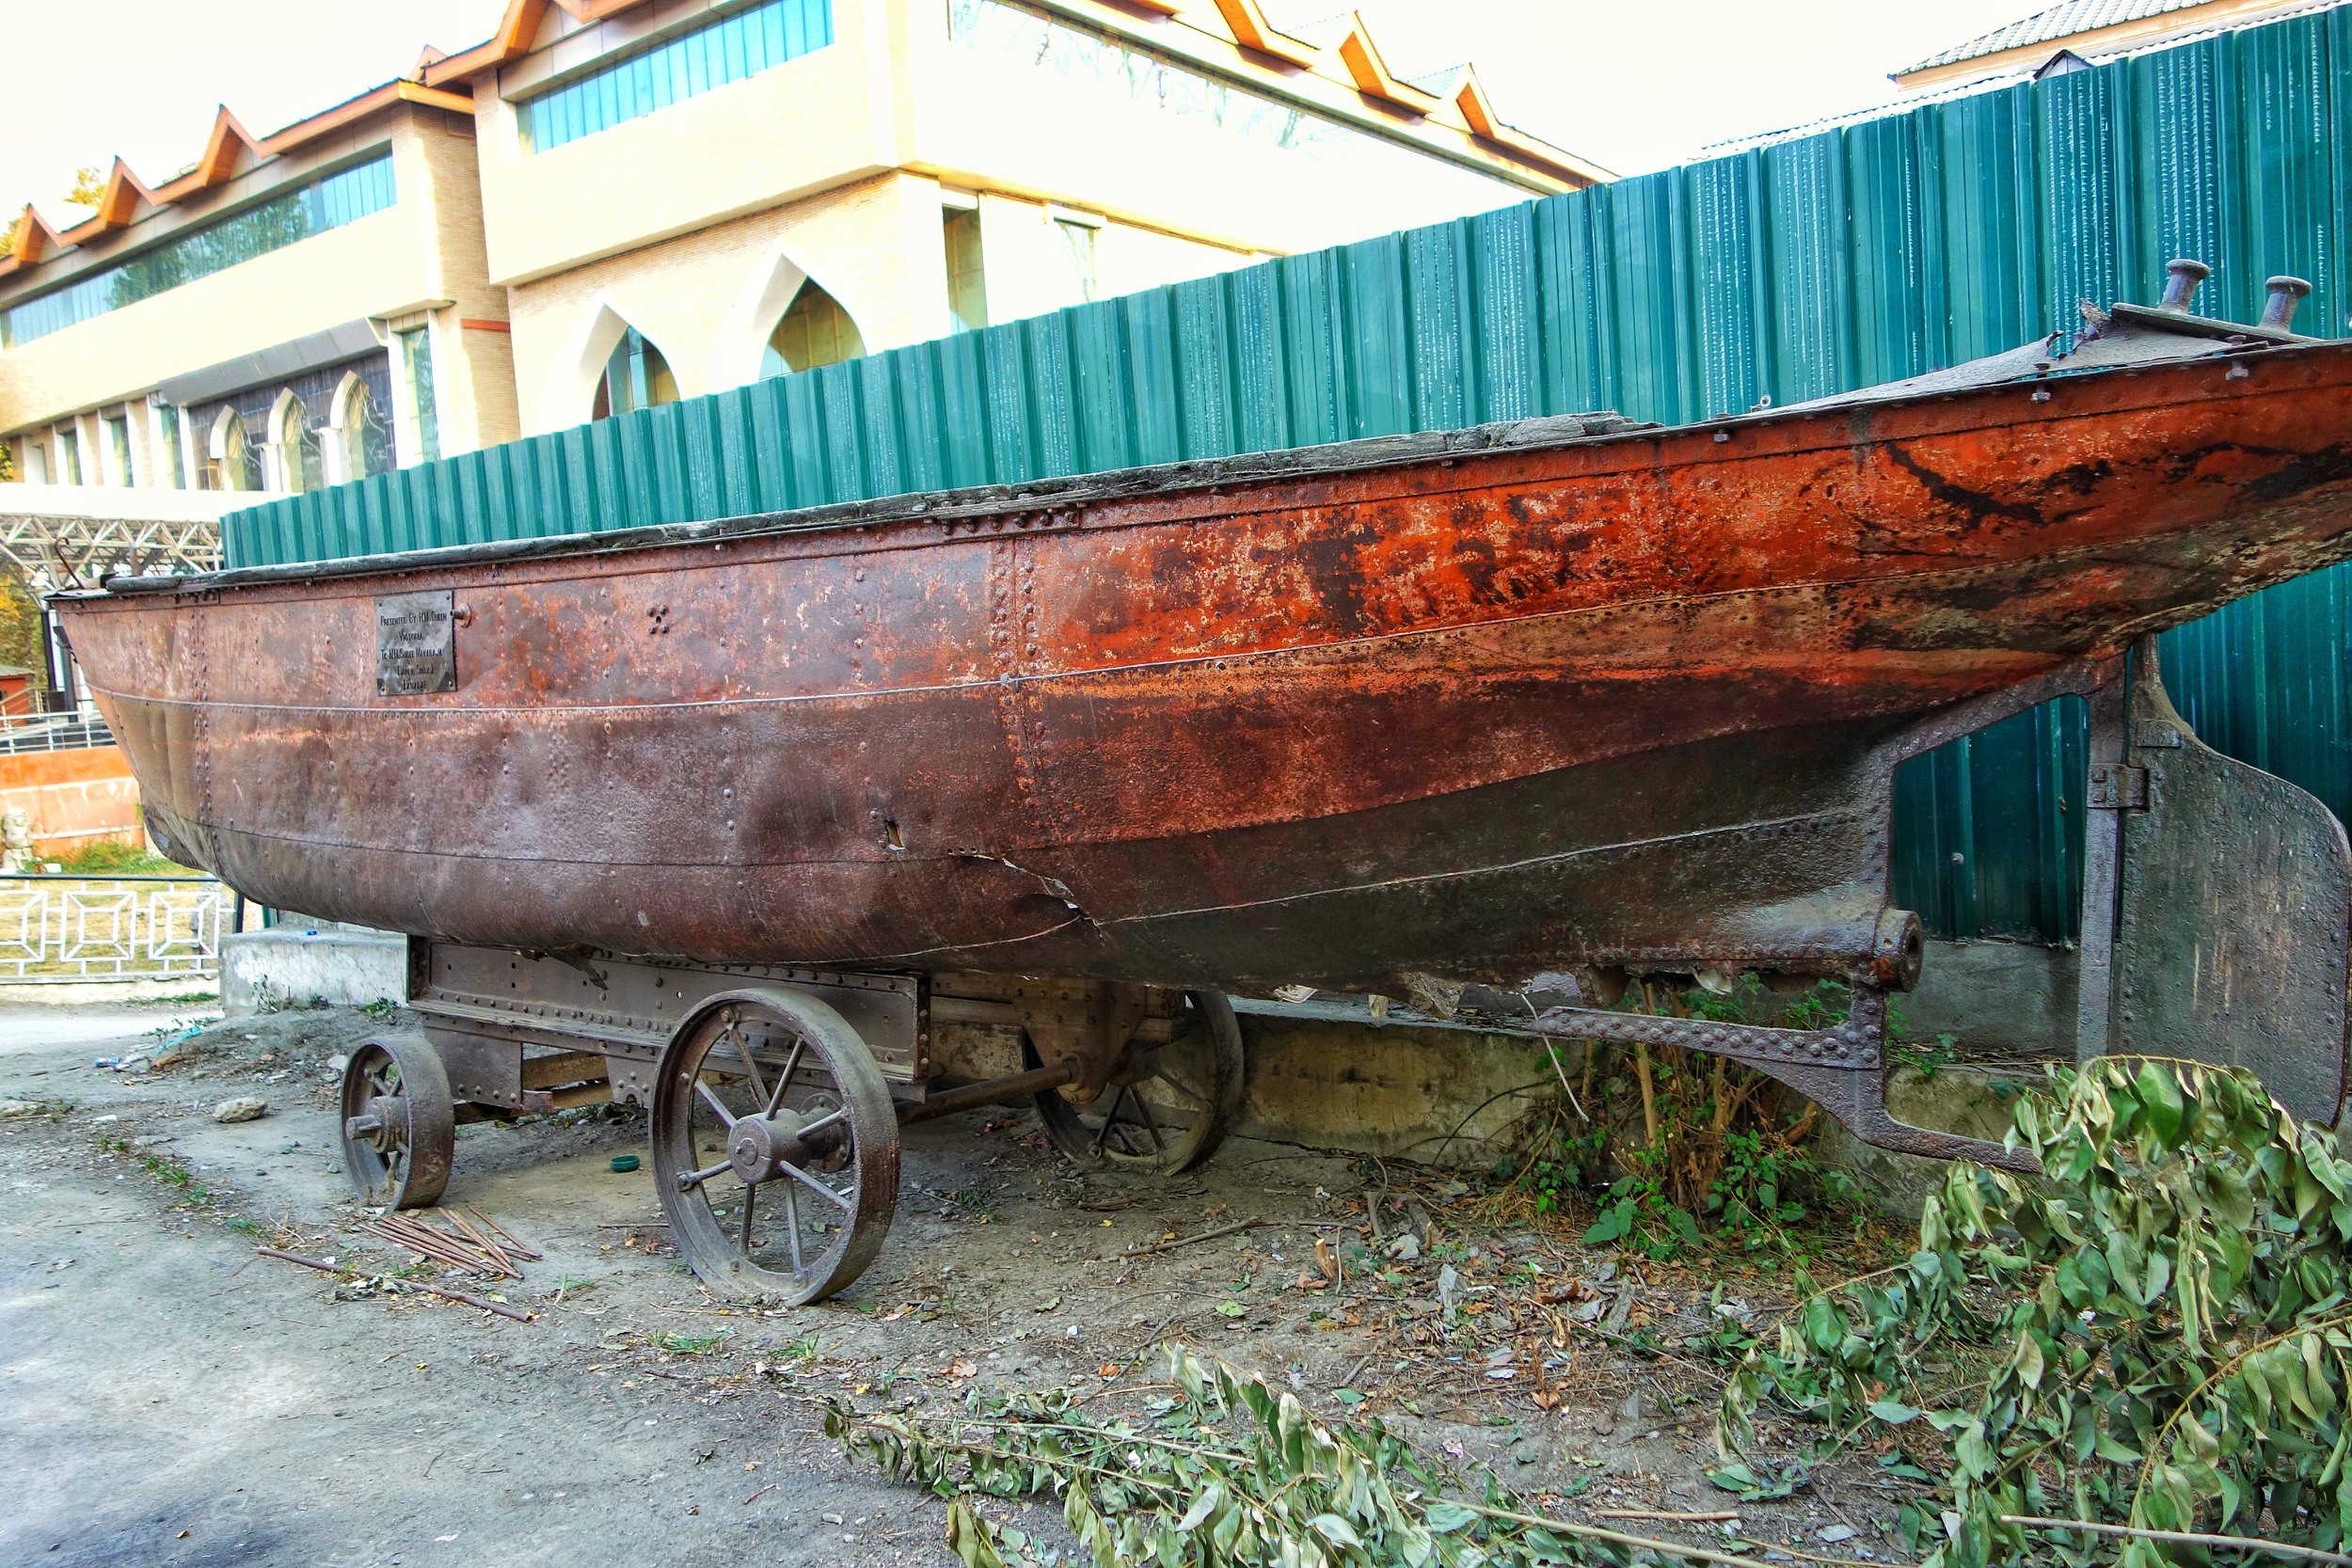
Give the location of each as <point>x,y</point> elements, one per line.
<point>731,817</point>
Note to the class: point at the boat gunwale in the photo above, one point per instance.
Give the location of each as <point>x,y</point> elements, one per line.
<point>1337,460</point>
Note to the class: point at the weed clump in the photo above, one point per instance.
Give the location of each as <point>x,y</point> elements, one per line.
<point>113,857</point>
<point>1678,1152</point>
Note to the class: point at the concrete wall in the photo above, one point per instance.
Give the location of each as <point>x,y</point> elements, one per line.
<point>1026,258</point>
<point>1996,999</point>
<point>789,132</point>
<point>74,796</point>
<point>710,299</point>
<point>992,119</point>
<point>1440,1094</point>
<point>294,965</point>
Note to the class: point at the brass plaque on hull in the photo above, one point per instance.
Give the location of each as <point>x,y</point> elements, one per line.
<point>416,644</point>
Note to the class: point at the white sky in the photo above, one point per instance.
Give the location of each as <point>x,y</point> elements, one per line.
<point>1634,85</point>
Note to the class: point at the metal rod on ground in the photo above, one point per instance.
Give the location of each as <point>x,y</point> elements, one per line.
<point>993,1091</point>
<point>417,1238</point>
<point>466,1298</point>
<point>455,1241</point>
<point>1187,1240</point>
<point>413,1242</point>
<point>2186,1538</point>
<point>529,1253</point>
<point>498,1253</point>
<point>1664,1548</point>
<point>431,1244</point>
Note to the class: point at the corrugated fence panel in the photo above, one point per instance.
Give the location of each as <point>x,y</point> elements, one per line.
<point>1806,268</point>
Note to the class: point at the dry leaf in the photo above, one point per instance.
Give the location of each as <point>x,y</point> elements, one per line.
<point>962,1367</point>
<point>1108,1371</point>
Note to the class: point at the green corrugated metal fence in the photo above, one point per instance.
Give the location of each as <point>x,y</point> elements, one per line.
<point>1809,267</point>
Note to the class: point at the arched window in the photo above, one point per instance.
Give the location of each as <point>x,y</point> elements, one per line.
<point>298,466</point>
<point>815,331</point>
<point>232,461</point>
<point>365,434</point>
<point>636,376</point>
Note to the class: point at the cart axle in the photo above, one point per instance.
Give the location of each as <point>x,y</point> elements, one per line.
<point>991,1091</point>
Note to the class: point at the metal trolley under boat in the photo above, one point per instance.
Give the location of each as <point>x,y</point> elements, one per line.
<point>789,1084</point>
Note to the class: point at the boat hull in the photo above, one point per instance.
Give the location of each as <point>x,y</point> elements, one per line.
<point>1631,700</point>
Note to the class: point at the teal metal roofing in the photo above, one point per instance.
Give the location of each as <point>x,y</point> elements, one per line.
<point>1877,250</point>
<point>2058,22</point>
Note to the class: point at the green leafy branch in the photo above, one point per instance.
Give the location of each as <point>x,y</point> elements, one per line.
<point>2154,1337</point>
<point>1229,1472</point>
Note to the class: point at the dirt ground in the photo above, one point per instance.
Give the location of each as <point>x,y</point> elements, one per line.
<point>175,1398</point>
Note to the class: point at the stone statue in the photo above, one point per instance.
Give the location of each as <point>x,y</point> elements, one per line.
<point>16,842</point>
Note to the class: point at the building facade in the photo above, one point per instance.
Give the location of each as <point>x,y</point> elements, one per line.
<point>613,203</point>
<point>686,195</point>
<point>290,312</point>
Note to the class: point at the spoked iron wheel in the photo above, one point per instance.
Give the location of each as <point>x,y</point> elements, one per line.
<point>1166,1108</point>
<point>399,1129</point>
<point>775,1147</point>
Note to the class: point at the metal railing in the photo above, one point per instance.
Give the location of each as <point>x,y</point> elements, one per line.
<point>59,930</point>
<point>55,735</point>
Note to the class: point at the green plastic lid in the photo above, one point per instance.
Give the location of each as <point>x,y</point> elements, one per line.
<point>623,1162</point>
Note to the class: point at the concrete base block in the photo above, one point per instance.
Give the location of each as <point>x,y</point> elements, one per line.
<point>293,965</point>
<point>1322,1075</point>
<point>2006,998</point>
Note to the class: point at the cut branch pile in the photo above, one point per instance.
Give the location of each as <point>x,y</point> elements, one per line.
<point>2148,1349</point>
<point>1228,1471</point>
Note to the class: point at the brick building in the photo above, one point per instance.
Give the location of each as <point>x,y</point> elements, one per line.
<point>288,311</point>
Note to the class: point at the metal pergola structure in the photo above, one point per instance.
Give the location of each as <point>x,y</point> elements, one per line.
<point>65,536</point>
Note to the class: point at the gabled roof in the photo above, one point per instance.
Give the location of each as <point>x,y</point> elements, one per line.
<point>124,201</point>
<point>1371,73</point>
<point>1338,47</point>
<point>2058,22</point>
<point>1251,27</point>
<point>518,30</point>
<point>1341,47</point>
<point>29,239</point>
<point>229,151</point>
<point>1457,88</point>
